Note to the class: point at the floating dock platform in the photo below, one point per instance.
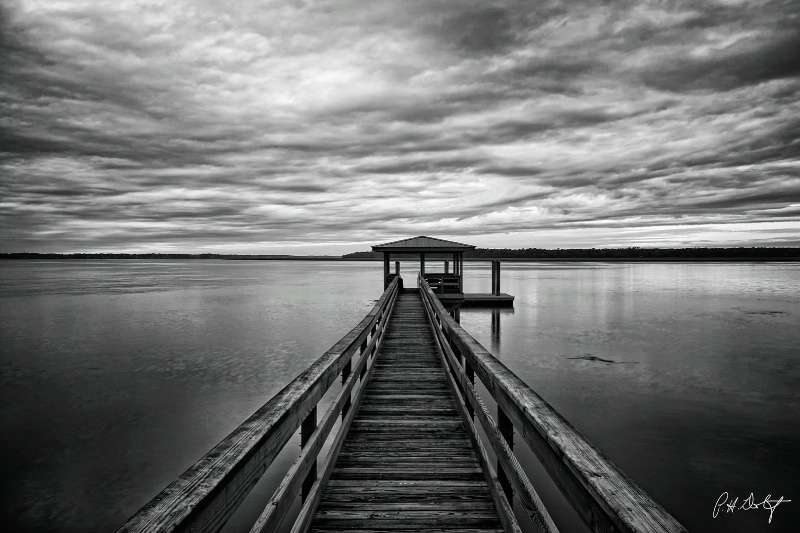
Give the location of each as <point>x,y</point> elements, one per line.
<point>477,300</point>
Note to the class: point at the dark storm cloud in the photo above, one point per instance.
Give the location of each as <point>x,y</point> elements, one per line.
<point>202,128</point>
<point>750,62</point>
<point>486,30</point>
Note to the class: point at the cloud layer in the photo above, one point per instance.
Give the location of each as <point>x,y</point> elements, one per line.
<point>284,126</point>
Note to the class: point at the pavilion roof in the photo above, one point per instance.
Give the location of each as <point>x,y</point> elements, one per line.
<point>422,244</point>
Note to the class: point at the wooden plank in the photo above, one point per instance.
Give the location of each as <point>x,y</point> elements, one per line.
<point>412,489</point>
<point>398,519</point>
<point>408,442</point>
<point>388,484</point>
<point>406,530</point>
<point>426,530</point>
<point>388,411</point>
<point>483,505</point>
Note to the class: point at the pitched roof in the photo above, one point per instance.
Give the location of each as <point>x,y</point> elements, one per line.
<point>422,244</point>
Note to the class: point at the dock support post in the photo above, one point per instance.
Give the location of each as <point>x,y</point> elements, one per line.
<point>495,277</point>
<point>458,269</point>
<point>385,270</point>
<point>461,270</point>
<point>306,429</point>
<point>498,278</point>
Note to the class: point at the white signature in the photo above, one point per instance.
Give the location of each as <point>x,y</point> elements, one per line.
<point>747,504</point>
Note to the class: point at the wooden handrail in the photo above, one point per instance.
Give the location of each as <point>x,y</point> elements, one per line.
<point>204,497</point>
<point>602,495</point>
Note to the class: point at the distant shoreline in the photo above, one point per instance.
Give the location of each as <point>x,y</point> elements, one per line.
<point>793,255</point>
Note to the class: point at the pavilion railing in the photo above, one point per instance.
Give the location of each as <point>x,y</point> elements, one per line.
<point>442,282</point>
<point>601,494</point>
<point>204,497</point>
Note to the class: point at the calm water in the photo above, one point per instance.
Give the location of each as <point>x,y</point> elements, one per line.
<point>115,376</point>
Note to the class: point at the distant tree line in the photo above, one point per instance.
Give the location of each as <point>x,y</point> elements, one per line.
<point>479,253</point>
<point>616,253</point>
<point>33,255</point>
<point>633,252</point>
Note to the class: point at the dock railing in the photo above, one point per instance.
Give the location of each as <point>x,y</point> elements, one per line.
<point>601,494</point>
<point>205,497</point>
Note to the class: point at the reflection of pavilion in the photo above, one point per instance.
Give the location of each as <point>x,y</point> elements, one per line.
<point>448,286</point>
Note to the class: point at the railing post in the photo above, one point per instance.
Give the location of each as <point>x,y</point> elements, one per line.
<point>306,429</point>
<point>348,368</point>
<point>377,330</point>
<point>363,354</point>
<point>470,372</point>
<point>507,431</point>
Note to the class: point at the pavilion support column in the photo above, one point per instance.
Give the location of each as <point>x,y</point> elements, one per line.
<point>447,267</point>
<point>385,270</point>
<point>497,283</point>
<point>460,261</point>
<point>494,277</point>
<point>422,263</point>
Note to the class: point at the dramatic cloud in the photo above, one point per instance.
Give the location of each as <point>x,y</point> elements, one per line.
<point>275,126</point>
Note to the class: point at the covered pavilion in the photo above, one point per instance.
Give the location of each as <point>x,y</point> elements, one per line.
<point>442,282</point>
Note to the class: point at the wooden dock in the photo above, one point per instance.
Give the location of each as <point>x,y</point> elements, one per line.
<point>407,460</point>
<point>470,299</point>
<point>417,447</point>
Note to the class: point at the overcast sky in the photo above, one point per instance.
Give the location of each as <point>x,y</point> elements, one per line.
<point>258,126</point>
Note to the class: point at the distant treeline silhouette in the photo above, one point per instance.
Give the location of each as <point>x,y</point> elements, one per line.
<point>616,253</point>
<point>480,253</point>
<point>33,255</point>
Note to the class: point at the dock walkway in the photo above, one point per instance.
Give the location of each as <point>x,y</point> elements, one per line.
<point>407,460</point>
